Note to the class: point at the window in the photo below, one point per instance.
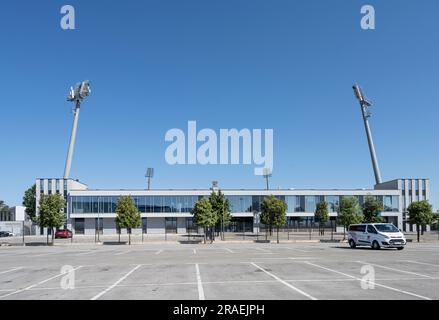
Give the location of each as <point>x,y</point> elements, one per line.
<point>79,226</point>
<point>144,225</point>
<point>49,182</point>
<point>310,203</point>
<point>371,229</point>
<point>333,202</point>
<point>240,203</point>
<point>41,186</point>
<point>171,225</point>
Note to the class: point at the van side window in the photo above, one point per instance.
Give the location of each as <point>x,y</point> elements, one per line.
<point>361,228</point>
<point>371,229</point>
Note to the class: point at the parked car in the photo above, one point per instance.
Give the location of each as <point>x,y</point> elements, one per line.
<point>4,234</point>
<point>63,233</point>
<point>376,235</point>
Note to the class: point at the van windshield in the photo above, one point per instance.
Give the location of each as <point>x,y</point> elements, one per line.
<point>386,228</point>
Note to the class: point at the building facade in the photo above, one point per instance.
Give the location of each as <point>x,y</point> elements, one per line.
<point>169,211</point>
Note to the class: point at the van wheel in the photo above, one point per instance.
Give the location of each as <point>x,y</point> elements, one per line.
<point>376,245</point>
<point>400,248</point>
<point>352,244</point>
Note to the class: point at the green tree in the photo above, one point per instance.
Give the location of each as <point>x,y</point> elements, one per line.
<point>128,216</point>
<point>321,215</point>
<point>51,213</point>
<point>371,210</point>
<point>30,202</point>
<point>274,213</point>
<point>4,209</point>
<point>349,212</point>
<point>221,207</point>
<point>421,214</point>
<point>204,216</point>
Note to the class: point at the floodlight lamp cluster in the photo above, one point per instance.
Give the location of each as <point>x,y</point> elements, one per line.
<point>80,92</point>
<point>149,173</point>
<point>360,96</point>
<point>267,172</point>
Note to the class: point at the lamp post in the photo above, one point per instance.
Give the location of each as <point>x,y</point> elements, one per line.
<point>364,104</point>
<point>99,222</point>
<point>77,95</point>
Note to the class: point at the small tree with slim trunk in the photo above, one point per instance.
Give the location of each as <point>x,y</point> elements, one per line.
<point>51,213</point>
<point>421,214</point>
<point>349,212</point>
<point>204,216</point>
<point>371,210</point>
<point>30,201</point>
<point>274,213</point>
<point>221,207</point>
<point>127,215</point>
<point>321,215</point>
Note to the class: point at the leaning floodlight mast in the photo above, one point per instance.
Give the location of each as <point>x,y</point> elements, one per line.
<point>76,95</point>
<point>364,103</point>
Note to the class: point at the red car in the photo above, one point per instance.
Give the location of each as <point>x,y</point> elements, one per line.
<point>63,233</point>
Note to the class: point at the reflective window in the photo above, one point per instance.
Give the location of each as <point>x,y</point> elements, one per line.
<point>240,203</point>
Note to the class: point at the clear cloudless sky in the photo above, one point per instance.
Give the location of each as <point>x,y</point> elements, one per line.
<point>155,64</point>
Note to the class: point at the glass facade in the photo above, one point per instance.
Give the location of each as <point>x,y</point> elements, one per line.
<point>145,204</point>
<point>238,204</point>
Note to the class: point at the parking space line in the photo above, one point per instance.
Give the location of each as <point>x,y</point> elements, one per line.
<point>44,254</point>
<point>11,270</point>
<point>37,284</point>
<point>158,252</point>
<point>397,270</point>
<point>299,250</point>
<point>372,282</point>
<point>199,283</point>
<point>261,249</point>
<point>116,283</point>
<point>283,282</point>
<point>195,251</point>
<point>423,263</point>
<point>85,253</point>
<point>123,252</point>
<point>227,249</point>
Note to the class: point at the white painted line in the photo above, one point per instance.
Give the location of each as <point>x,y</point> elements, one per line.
<point>195,251</point>
<point>85,253</point>
<point>263,250</point>
<point>44,254</point>
<point>397,270</point>
<point>283,282</point>
<point>123,252</point>
<point>11,270</point>
<point>158,252</point>
<point>199,283</point>
<point>377,284</point>
<point>36,284</point>
<point>299,250</point>
<point>116,283</point>
<point>423,263</point>
<point>227,249</point>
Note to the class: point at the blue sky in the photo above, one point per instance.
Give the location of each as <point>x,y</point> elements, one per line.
<point>154,65</point>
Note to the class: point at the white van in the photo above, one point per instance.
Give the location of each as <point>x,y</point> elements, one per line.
<point>376,235</point>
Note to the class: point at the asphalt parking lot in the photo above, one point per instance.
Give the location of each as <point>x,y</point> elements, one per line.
<point>219,271</point>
